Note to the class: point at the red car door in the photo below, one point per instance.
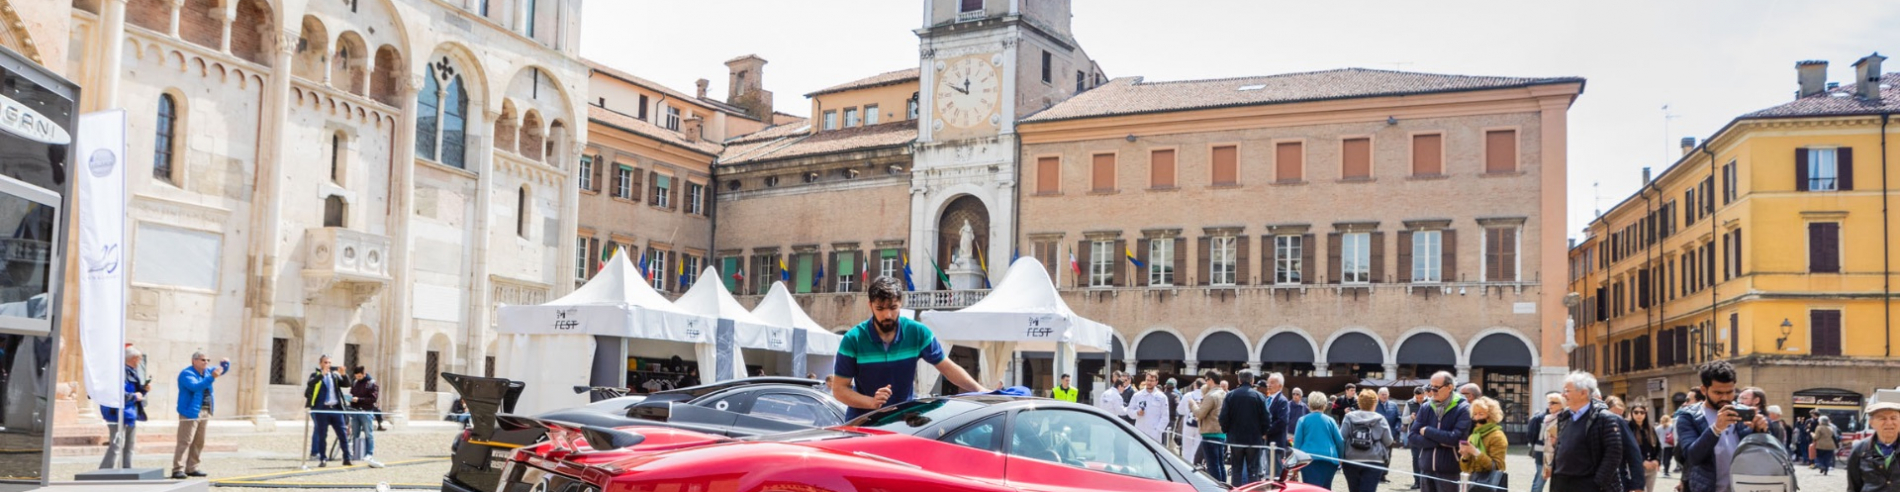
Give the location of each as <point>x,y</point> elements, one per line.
<point>1055,450</point>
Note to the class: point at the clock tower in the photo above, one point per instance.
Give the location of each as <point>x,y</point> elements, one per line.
<point>983,64</point>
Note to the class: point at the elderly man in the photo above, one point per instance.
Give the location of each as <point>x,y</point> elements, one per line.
<point>1870,466</point>
<point>1280,424</point>
<point>195,406</point>
<point>1440,426</point>
<point>123,422</point>
<point>1471,392</point>
<point>1586,454</point>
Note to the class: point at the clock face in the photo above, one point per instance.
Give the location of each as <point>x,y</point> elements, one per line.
<point>967,91</point>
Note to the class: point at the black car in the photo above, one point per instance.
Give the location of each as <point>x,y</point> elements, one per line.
<point>737,408</point>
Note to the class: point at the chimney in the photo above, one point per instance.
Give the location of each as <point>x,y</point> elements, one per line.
<point>692,127</point>
<point>1645,174</point>
<point>701,84</point>
<point>747,87</point>
<point>1813,75</point>
<point>1867,77</point>
<point>1688,145</point>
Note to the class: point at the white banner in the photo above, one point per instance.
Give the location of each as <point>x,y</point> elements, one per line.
<point>101,217</point>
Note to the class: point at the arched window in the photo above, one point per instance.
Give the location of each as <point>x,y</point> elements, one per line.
<point>427,107</point>
<point>442,120</point>
<point>162,146</point>
<point>336,157</point>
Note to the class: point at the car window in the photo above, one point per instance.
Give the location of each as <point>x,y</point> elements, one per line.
<point>914,416</point>
<point>980,435</point>
<point>1082,440</point>
<point>786,408</point>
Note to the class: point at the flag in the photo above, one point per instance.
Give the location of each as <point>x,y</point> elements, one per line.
<point>984,265</point>
<point>784,275</point>
<point>1131,258</point>
<point>908,285</point>
<point>101,220</point>
<point>739,275</point>
<point>680,270</point>
<point>606,255</point>
<point>643,267</point>
<point>941,277</point>
<point>864,272</point>
<point>820,277</point>
<point>1073,265</point>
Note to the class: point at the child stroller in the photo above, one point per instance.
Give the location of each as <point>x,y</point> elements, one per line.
<point>1761,464</point>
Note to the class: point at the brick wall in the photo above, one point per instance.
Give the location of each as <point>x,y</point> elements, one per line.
<point>150,14</point>
<point>198,23</point>
<point>383,84</point>
<point>250,34</point>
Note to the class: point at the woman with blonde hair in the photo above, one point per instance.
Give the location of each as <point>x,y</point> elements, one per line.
<point>1484,451</point>
<point>1318,436</point>
<point>1369,442</point>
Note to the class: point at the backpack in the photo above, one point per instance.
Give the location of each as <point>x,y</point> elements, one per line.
<point>1761,464</point>
<point>1360,437</point>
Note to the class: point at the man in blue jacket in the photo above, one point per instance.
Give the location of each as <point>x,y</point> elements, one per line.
<point>1435,432</point>
<point>194,410</point>
<point>1280,423</point>
<point>126,416</point>
<point>1710,433</point>
<point>1243,414</point>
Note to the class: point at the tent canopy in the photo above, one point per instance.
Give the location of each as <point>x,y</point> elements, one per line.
<point>710,299</point>
<point>617,302</point>
<point>1024,308</point>
<point>778,308</point>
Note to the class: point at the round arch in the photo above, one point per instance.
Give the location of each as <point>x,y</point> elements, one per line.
<point>1179,341</point>
<point>1196,353</point>
<point>1458,357</point>
<point>1471,347</point>
<point>940,200</point>
<point>1312,346</point>
<point>1326,351</point>
<point>1118,347</point>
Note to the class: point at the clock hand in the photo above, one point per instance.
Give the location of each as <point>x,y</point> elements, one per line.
<point>959,89</point>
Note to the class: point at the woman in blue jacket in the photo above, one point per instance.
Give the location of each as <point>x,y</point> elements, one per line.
<point>127,415</point>
<point>1318,436</point>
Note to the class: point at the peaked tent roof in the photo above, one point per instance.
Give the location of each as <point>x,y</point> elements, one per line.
<point>1022,303</point>
<point>711,299</point>
<point>617,283</point>
<point>778,307</point>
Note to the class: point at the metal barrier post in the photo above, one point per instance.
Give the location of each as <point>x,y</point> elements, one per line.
<point>304,462</point>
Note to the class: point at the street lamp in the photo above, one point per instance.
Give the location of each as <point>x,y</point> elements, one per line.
<point>1787,328</point>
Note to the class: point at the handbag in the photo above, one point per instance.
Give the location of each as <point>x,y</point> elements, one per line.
<point>1494,480</point>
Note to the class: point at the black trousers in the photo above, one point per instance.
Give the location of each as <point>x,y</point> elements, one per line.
<point>1567,483</point>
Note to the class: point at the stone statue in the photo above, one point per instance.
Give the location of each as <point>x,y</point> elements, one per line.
<point>965,238</point>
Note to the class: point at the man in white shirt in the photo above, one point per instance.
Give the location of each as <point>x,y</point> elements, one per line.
<point>1150,408</point>
<point>1110,400</point>
<point>1191,429</point>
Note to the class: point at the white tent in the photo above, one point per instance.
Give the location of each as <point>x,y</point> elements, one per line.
<point>1023,312</point>
<point>780,309</point>
<point>543,345</point>
<point>745,330</point>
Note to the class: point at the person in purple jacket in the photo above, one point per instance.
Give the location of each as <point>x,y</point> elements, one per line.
<point>194,410</point>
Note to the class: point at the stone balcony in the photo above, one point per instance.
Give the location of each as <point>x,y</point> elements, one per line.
<point>355,261</point>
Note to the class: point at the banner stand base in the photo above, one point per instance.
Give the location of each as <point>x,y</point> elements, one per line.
<point>120,474</point>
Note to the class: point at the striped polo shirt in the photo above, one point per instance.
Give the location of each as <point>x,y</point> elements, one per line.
<point>871,364</point>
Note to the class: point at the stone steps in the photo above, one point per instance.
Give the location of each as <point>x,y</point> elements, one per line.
<point>91,440</point>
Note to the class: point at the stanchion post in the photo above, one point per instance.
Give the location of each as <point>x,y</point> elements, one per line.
<point>304,462</point>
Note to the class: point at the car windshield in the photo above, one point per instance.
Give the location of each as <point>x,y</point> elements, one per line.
<point>912,416</point>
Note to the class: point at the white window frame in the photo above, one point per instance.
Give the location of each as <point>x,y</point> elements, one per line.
<point>1355,258</point>
<point>1289,266</point>
<point>587,173</point>
<point>1221,261</point>
<point>580,258</point>
<point>656,267</point>
<point>1102,257</point>
<point>888,266</point>
<point>672,118</point>
<point>1828,160</point>
<point>910,109</point>
<point>846,279</point>
<point>663,191</point>
<point>623,186</point>
<point>850,117</point>
<point>831,120</point>
<point>870,114</point>
<point>1161,262</point>
<point>694,203</point>
<point>1428,250</point>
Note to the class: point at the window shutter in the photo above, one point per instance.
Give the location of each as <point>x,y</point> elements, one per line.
<point>1180,261</point>
<point>1404,267</point>
<point>830,282</point>
<point>1269,260</point>
<point>1306,258</point>
<point>1141,276</point>
<point>1202,256</point>
<point>1507,259</point>
<point>1821,248</point>
<point>1736,255</point>
<point>1289,162</point>
<point>1049,175</point>
<point>1332,257</point>
<point>1047,253</point>
<point>1240,260</point>
<point>678,190</point>
<point>1800,171</point>
<point>637,187</point>
<point>1082,252</point>
<point>1120,268</point>
<point>1500,151</point>
<point>599,170</point>
<point>1103,173</point>
<point>1377,269</point>
<point>1426,157</point>
<point>1356,158</point>
<point>1161,169</point>
<point>653,179</point>
<point>1844,167</point>
<point>1226,164</point>
<point>1448,241</point>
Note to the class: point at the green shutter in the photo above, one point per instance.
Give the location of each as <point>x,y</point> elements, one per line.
<point>726,268</point>
<point>803,277</point>
<point>846,263</point>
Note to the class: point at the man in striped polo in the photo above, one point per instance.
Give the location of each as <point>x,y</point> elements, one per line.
<point>876,364</point>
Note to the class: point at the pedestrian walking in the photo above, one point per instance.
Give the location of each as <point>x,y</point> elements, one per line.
<point>1666,428</point>
<point>1213,434</point>
<point>1647,443</point>
<point>1244,417</point>
<point>364,394</point>
<point>1317,436</point>
<point>195,407</point>
<point>1870,465</point>
<point>326,392</point>
<point>1826,442</point>
<point>1369,440</point>
<point>122,423</point>
<point>1190,427</point>
<point>1586,454</point>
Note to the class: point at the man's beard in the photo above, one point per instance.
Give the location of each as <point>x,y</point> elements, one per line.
<point>886,327</point>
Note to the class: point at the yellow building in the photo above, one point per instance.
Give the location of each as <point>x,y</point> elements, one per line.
<point>1769,245</point>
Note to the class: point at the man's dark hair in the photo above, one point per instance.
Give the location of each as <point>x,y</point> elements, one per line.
<point>1065,375</point>
<point>885,288</point>
<point>360,370</point>
<point>1211,374</point>
<point>1761,397</point>
<point>1246,377</point>
<point>1718,371</point>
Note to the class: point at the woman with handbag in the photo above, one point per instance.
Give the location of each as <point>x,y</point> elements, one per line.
<point>1825,444</point>
<point>1482,455</point>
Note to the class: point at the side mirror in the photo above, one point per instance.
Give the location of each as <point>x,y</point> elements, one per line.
<point>1292,462</point>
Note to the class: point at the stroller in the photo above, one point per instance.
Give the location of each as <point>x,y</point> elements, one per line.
<point>1761,464</point>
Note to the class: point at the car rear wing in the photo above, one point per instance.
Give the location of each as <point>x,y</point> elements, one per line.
<point>485,398</point>
<point>565,435</point>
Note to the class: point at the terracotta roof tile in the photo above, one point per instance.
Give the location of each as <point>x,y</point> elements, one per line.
<point>886,78</point>
<point>1132,95</point>
<point>1839,101</point>
<point>788,141</point>
<point>609,117</point>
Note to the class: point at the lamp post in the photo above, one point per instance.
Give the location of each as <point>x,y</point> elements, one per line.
<point>1787,329</point>
<point>1705,341</point>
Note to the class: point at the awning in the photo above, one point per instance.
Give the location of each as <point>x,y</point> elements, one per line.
<point>1354,348</point>
<point>1427,349</point>
<point>1221,346</point>
<point>1500,350</point>
<point>1287,347</point>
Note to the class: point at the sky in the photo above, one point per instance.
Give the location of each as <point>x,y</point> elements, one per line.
<point>1707,61</point>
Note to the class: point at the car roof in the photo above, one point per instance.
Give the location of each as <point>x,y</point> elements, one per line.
<point>710,388</point>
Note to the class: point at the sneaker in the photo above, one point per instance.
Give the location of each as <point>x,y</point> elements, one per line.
<point>178,476</point>
<point>346,462</point>
<point>373,463</point>
<point>321,464</point>
<point>194,473</point>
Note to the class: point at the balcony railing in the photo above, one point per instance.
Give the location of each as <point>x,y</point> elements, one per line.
<point>943,299</point>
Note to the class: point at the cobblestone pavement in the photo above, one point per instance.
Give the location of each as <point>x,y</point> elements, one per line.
<point>417,454</point>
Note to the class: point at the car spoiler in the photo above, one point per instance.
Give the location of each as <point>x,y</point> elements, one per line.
<point>485,398</point>
<point>562,434</point>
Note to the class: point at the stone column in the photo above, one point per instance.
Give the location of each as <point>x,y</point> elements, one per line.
<point>1322,370</point>
<point>1128,367</point>
<point>1392,371</point>
<point>229,13</point>
<point>567,153</point>
<point>481,290</point>
<point>1464,373</point>
<point>923,234</point>
<point>1015,369</point>
<point>1193,368</point>
<point>177,6</point>
<point>396,320</point>
<point>1254,365</point>
<point>266,223</point>
<point>112,49</point>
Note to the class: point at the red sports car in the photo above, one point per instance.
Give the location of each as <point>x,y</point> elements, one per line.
<point>962,443</point>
